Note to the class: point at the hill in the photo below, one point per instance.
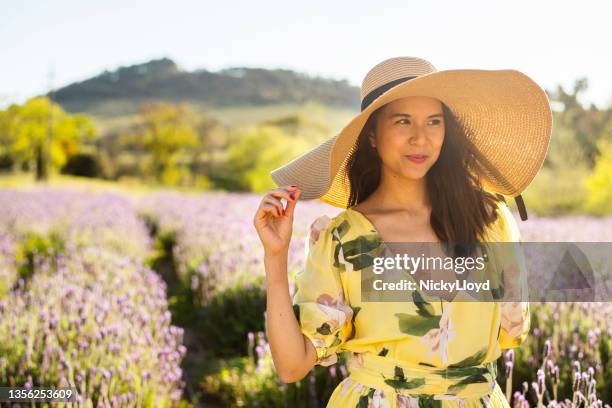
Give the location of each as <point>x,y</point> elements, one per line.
<point>119,92</point>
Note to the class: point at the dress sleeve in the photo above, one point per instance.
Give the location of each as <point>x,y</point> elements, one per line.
<point>319,300</point>
<point>515,315</point>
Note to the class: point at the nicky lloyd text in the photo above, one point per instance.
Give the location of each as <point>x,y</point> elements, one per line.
<point>430,284</point>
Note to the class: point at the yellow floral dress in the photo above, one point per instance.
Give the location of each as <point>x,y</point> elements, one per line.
<point>403,354</point>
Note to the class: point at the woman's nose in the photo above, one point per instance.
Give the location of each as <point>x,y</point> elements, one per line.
<point>418,136</point>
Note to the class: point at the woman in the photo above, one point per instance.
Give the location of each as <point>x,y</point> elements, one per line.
<point>427,160</point>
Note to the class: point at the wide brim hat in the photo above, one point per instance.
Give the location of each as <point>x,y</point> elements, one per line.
<point>506,117</point>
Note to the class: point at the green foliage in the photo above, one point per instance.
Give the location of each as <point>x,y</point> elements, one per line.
<point>554,321</point>
<point>553,194</point>
<point>257,151</point>
<point>230,315</point>
<point>305,123</point>
<point>82,164</point>
<point>315,112</point>
<point>6,162</point>
<point>565,150</point>
<point>40,132</point>
<point>587,126</point>
<point>55,333</point>
<point>238,383</point>
<point>35,245</point>
<point>599,183</point>
<point>222,323</point>
<point>166,133</point>
<point>252,382</point>
<point>574,178</point>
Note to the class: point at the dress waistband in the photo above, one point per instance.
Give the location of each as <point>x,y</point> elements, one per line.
<point>422,380</point>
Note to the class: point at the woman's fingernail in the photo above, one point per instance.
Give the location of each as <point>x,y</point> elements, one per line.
<point>292,197</point>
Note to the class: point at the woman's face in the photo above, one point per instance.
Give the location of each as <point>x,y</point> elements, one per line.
<point>409,135</point>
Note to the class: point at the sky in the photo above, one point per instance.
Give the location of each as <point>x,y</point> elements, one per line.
<point>48,44</point>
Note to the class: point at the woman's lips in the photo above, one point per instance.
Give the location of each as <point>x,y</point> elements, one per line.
<point>416,158</point>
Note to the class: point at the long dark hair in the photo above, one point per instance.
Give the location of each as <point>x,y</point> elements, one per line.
<point>461,209</point>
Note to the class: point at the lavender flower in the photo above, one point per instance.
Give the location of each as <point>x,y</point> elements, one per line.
<point>111,344</point>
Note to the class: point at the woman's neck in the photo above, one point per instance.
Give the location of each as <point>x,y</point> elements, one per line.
<point>398,193</point>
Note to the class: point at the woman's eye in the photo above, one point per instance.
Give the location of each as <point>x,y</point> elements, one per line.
<point>406,121</point>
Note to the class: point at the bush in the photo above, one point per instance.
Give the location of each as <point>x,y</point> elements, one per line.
<point>53,219</point>
<point>97,322</point>
<point>550,194</point>
<point>8,266</point>
<point>33,246</point>
<point>252,381</point>
<point>256,152</point>
<point>6,162</point>
<point>82,164</point>
<point>229,316</point>
<point>599,183</point>
<point>212,243</point>
<point>568,337</point>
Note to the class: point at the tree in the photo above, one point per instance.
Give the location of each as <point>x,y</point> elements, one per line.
<point>41,132</point>
<point>257,151</point>
<point>577,129</point>
<point>599,183</point>
<point>167,133</point>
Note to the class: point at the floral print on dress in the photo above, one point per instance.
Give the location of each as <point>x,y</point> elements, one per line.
<point>348,267</point>
<point>405,401</point>
<point>514,315</point>
<point>318,225</point>
<point>515,323</point>
<point>328,310</point>
<point>336,308</point>
<point>385,344</point>
<point>356,360</point>
<point>379,400</point>
<point>437,339</point>
<point>375,398</point>
<point>512,318</point>
<point>346,385</point>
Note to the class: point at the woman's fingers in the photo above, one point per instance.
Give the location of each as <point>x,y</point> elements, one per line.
<point>271,205</point>
<point>292,202</point>
<point>290,193</point>
<point>285,192</point>
<point>270,209</point>
<point>275,202</point>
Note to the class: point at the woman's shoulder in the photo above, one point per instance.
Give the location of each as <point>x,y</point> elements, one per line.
<point>504,228</point>
<point>318,226</point>
<point>339,226</point>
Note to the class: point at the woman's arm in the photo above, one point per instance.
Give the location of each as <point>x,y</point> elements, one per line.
<point>293,353</point>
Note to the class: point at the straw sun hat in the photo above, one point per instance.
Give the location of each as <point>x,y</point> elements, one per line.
<point>505,114</point>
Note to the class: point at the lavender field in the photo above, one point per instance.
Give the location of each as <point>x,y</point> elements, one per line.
<point>158,300</point>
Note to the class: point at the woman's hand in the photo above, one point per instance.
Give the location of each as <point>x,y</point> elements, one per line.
<point>274,224</point>
<point>293,353</point>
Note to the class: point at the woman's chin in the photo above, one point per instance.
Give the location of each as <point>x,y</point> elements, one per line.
<point>413,174</point>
